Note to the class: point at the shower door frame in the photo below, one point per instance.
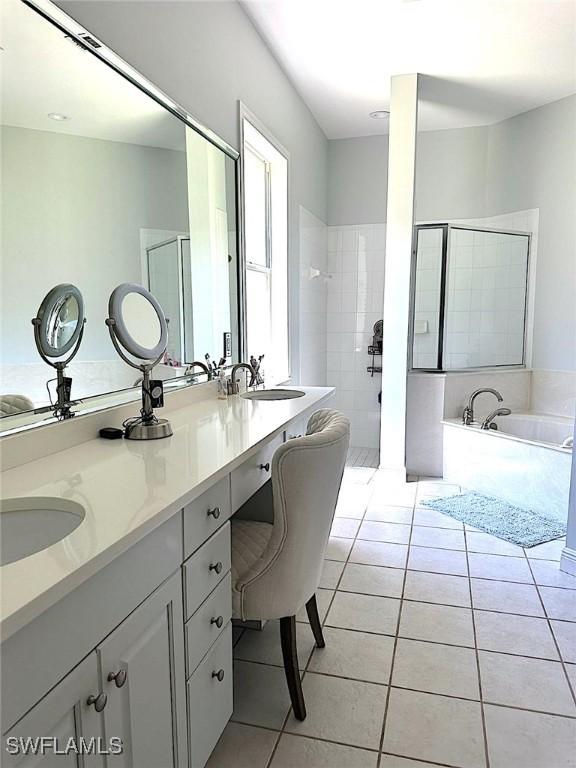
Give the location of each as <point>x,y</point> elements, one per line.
<point>446,236</point>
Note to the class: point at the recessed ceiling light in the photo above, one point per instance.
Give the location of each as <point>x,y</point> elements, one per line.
<point>379,114</point>
<point>58,116</point>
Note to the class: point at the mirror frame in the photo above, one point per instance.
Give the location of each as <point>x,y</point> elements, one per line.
<point>45,312</point>
<point>95,47</point>
<point>123,335</point>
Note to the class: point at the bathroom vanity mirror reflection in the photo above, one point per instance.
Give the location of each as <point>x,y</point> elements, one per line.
<point>105,184</point>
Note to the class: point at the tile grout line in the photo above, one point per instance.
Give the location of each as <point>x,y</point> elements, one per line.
<point>477,655</point>
<point>551,630</point>
<point>396,637</point>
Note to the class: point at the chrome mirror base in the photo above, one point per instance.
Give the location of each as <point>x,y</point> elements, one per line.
<point>155,430</point>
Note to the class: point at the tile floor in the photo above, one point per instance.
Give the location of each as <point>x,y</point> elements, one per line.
<point>444,646</point>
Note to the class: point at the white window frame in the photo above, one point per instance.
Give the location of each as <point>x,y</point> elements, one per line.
<point>284,369</point>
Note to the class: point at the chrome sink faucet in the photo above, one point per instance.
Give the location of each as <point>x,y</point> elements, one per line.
<point>468,413</point>
<point>197,364</point>
<point>238,367</point>
<point>487,423</point>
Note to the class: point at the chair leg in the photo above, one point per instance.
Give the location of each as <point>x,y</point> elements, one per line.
<point>314,619</point>
<point>290,656</point>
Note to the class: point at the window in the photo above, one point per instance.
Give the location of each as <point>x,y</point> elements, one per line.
<point>266,243</point>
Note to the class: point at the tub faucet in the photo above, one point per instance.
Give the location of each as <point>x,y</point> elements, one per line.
<point>487,423</point>
<point>468,413</point>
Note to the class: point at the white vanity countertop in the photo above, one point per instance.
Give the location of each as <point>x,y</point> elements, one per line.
<point>128,488</point>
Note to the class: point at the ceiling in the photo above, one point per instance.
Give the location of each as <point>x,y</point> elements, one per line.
<point>99,103</point>
<point>485,60</point>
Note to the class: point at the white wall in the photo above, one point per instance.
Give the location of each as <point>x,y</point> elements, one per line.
<point>313,298</point>
<point>207,56</point>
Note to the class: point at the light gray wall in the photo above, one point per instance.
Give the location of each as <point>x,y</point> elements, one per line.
<point>207,56</point>
<point>531,163</point>
<point>528,161</point>
<point>357,180</point>
<point>69,216</point>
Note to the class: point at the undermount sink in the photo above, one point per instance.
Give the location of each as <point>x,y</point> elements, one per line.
<point>273,394</point>
<point>28,525</point>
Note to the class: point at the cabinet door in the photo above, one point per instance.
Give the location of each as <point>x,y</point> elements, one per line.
<point>62,721</point>
<point>142,665</point>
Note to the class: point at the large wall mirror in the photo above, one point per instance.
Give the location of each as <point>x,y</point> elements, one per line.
<point>103,184</point>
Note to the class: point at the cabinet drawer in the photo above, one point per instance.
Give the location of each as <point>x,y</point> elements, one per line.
<point>246,479</point>
<point>210,700</point>
<point>206,569</point>
<point>204,515</point>
<point>208,623</point>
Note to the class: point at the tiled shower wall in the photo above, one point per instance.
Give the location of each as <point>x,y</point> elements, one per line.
<point>354,303</point>
<point>313,299</point>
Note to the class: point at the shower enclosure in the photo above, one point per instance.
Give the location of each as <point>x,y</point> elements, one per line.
<point>469,297</point>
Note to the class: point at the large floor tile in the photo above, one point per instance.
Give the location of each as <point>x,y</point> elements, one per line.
<point>385,514</point>
<point>345,527</point>
<point>260,695</point>
<point>519,739</point>
<point>395,533</point>
<point>323,600</point>
<point>425,516</point>
<point>548,574</point>
<point>571,672</point>
<point>435,728</point>
<point>506,596</point>
<point>437,588</point>
<point>346,711</point>
<point>366,613</point>
<point>559,603</point>
<point>500,567</point>
<point>299,751</point>
<point>436,668</point>
<point>378,553</point>
<point>442,538</point>
<point>352,500</point>
<point>438,561</point>
<point>372,580</point>
<point>517,681</point>
<point>437,623</point>
<point>243,746</point>
<point>331,572</point>
<point>551,550</point>
<point>357,655</point>
<point>264,645</point>
<point>522,635</point>
<point>435,489</point>
<point>477,541</point>
<point>565,634</point>
<point>338,548</point>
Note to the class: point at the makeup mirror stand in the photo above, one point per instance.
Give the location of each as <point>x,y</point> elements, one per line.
<point>146,426</point>
<point>62,406</point>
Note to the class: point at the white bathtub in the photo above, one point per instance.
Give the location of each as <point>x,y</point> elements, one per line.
<point>523,462</point>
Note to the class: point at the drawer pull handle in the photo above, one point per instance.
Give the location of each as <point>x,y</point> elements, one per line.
<point>215,513</point>
<point>219,675</point>
<point>265,467</point>
<point>99,702</point>
<point>218,621</point>
<point>216,567</point>
<point>119,677</point>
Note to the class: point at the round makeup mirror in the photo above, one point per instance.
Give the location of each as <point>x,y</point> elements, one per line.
<point>58,330</point>
<point>138,327</point>
<point>138,321</point>
<point>59,321</point>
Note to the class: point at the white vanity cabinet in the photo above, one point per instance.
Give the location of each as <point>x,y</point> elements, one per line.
<point>65,716</point>
<point>142,667</point>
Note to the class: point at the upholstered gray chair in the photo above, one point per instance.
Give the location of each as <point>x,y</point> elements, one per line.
<point>276,567</point>
<point>12,404</point>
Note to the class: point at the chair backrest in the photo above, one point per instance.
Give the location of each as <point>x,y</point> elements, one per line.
<point>12,404</point>
<point>306,477</point>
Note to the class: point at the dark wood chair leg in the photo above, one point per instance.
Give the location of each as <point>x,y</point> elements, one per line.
<point>314,619</point>
<point>290,656</point>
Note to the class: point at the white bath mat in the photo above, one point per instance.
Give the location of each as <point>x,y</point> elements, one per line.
<point>513,524</point>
